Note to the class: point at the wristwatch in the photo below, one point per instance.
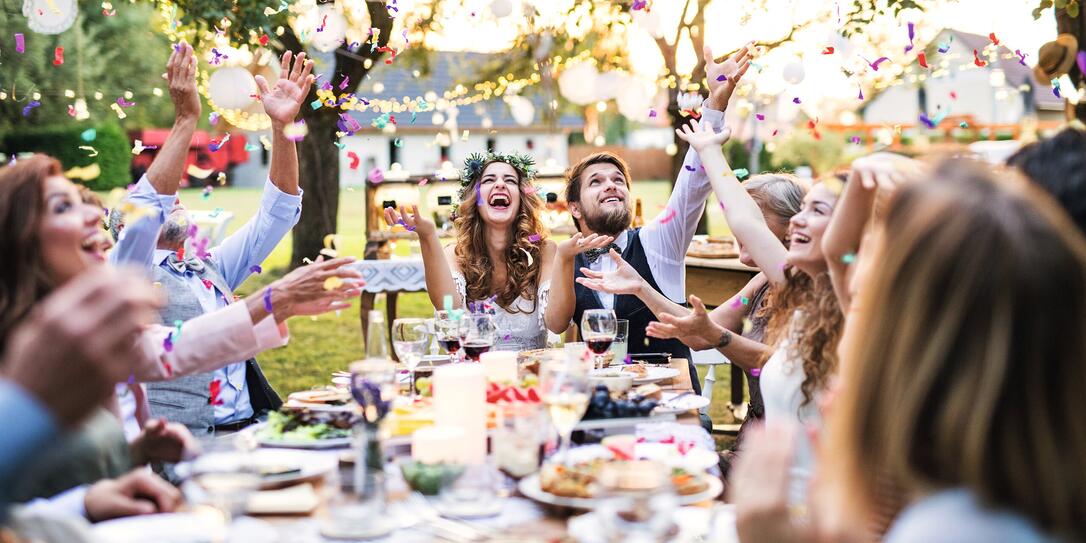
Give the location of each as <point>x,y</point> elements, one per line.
<point>725,339</point>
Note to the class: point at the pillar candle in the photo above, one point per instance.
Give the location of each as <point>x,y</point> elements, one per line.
<point>500,366</point>
<point>460,402</point>
<point>436,444</point>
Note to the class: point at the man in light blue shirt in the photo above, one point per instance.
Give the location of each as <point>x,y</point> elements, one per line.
<point>198,280</point>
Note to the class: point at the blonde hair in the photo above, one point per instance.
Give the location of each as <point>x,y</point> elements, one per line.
<point>966,369</point>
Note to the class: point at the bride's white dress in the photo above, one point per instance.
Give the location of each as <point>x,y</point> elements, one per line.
<point>519,331</point>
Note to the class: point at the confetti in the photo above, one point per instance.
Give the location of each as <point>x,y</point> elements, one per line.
<point>748,325</point>
<point>721,77</point>
<point>58,56</point>
<point>861,95</point>
<point>268,300</point>
<point>30,107</point>
<point>531,261</point>
<point>534,238</point>
<point>20,44</point>
<point>295,131</point>
<point>208,284</point>
<point>93,151</point>
<point>376,176</point>
<point>668,217</point>
<point>424,181</point>
<point>912,35</point>
<point>1055,88</point>
<point>993,37</point>
<point>875,65</point>
<point>213,392</point>
<point>849,258</point>
<point>332,283</point>
<point>167,344</point>
<point>206,193</point>
<point>117,109</point>
<point>796,100</point>
<point>354,159</point>
<point>943,48</point>
<point>828,50</point>
<point>263,40</point>
<point>759,116</point>
<point>689,168</point>
<point>89,134</point>
<point>953,95</point>
<point>124,103</point>
<point>398,142</point>
<point>1021,57</point>
<point>741,173</point>
<point>976,60</point>
<point>213,119</point>
<point>652,113</point>
<point>755,372</point>
<point>963,124</point>
<point>922,59</point>
<point>1080,58</point>
<point>855,139</point>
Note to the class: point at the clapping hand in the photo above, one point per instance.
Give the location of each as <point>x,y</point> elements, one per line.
<point>413,221</point>
<point>623,280</point>
<point>181,75</point>
<point>724,76</point>
<point>696,330</point>
<point>703,138</point>
<point>163,441</point>
<point>316,288</point>
<point>282,101</point>
<point>578,243</point>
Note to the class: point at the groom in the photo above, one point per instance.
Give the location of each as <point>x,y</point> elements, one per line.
<point>598,194</point>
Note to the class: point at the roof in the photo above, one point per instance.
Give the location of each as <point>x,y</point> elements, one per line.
<point>1016,72</point>
<point>447,70</point>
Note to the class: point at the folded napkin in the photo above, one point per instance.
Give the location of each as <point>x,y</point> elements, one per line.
<point>296,500</point>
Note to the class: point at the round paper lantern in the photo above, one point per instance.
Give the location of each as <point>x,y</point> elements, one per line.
<point>650,21</point>
<point>231,88</point>
<point>334,31</point>
<point>635,98</point>
<point>608,85</point>
<point>793,72</point>
<point>578,83</point>
<point>501,8</point>
<point>50,16</point>
<point>522,109</point>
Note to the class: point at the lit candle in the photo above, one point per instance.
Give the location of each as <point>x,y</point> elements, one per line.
<point>460,402</point>
<point>500,366</point>
<point>436,444</point>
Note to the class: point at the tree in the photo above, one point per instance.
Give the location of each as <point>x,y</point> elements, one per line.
<point>1069,20</point>
<point>253,21</point>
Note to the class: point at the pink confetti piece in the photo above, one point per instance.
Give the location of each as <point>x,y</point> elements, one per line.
<point>759,116</point>
<point>652,113</point>
<point>20,44</point>
<point>376,176</point>
<point>424,181</point>
<point>534,238</point>
<point>208,284</point>
<point>668,217</point>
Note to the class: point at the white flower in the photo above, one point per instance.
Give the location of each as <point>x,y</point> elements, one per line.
<point>689,100</point>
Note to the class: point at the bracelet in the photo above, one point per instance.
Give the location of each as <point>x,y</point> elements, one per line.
<point>725,339</point>
<point>268,300</point>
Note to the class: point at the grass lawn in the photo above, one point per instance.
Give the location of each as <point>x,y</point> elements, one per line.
<point>319,346</point>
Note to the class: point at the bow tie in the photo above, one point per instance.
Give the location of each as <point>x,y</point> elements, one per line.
<point>592,255</point>
<point>181,266</point>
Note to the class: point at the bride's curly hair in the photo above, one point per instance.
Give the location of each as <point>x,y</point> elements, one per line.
<point>522,258</point>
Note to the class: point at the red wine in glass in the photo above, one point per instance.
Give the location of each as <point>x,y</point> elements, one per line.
<point>475,349</point>
<point>451,345</point>
<point>599,345</point>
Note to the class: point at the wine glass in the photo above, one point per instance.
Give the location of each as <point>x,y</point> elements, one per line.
<point>450,327</point>
<point>480,336</point>
<point>225,474</point>
<point>410,339</point>
<point>598,329</point>
<point>564,388</point>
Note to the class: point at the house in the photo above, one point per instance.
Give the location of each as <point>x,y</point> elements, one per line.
<point>1003,91</point>
<point>458,122</point>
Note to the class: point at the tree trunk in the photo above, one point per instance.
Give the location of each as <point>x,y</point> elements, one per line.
<point>319,168</point>
<point>1076,26</point>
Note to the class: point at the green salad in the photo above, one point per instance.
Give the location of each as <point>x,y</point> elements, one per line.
<point>304,425</point>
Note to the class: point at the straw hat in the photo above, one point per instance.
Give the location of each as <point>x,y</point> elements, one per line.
<point>1055,58</point>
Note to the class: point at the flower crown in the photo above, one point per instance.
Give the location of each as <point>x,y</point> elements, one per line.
<point>473,167</point>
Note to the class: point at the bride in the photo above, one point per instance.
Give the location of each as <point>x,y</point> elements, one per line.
<point>502,260</point>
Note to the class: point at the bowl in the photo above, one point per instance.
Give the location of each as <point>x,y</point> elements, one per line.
<point>616,380</point>
<point>429,479</point>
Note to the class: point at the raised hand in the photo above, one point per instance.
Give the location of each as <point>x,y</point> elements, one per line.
<point>413,221</point>
<point>723,77</point>
<point>703,138</point>
<point>283,101</point>
<point>577,243</point>
<point>883,170</point>
<point>696,330</point>
<point>624,280</point>
<point>317,288</point>
<point>181,75</point>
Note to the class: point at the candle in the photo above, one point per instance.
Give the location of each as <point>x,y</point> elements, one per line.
<point>436,444</point>
<point>500,366</point>
<point>460,402</point>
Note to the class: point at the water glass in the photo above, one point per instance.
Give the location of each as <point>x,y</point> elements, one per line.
<point>225,474</point>
<point>619,347</point>
<point>637,501</point>
<point>410,339</point>
<point>517,438</point>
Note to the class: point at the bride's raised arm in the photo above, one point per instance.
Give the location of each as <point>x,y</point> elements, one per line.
<point>439,280</point>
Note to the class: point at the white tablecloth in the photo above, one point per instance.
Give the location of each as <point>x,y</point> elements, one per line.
<point>405,274</point>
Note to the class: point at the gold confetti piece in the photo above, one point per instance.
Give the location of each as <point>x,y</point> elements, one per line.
<point>85,173</point>
<point>330,253</point>
<point>332,283</point>
<point>747,326</point>
<point>138,147</point>
<point>93,151</point>
<point>265,142</point>
<point>222,178</point>
<point>120,112</point>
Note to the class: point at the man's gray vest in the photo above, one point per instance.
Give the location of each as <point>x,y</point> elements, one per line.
<point>186,399</point>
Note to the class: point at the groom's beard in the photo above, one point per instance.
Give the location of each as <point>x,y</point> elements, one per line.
<point>609,223</point>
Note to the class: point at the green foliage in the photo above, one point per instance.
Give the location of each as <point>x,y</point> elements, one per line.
<point>738,154</point>
<point>62,142</point>
<point>801,148</point>
<point>110,55</point>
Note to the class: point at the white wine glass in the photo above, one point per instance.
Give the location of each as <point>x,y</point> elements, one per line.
<point>598,330</point>
<point>564,387</point>
<point>410,338</point>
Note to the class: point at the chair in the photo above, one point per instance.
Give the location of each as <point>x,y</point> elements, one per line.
<point>212,223</point>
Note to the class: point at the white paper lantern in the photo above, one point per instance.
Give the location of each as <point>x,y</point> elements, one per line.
<point>793,72</point>
<point>522,109</point>
<point>50,16</point>
<point>635,98</point>
<point>231,88</point>
<point>608,85</point>
<point>650,21</point>
<point>501,8</point>
<point>578,83</point>
<point>334,31</point>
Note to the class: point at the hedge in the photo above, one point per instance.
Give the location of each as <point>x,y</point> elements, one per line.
<point>63,142</point>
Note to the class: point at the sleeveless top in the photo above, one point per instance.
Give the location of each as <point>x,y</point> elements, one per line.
<point>522,330</point>
<point>633,309</point>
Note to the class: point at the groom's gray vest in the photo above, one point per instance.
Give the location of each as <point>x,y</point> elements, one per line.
<point>186,399</point>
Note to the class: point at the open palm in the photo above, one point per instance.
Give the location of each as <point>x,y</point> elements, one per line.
<point>702,138</point>
<point>283,101</point>
<point>723,77</point>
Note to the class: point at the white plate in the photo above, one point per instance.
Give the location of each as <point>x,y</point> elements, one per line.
<point>690,402</point>
<point>311,465</point>
<point>655,374</point>
<point>333,443</point>
<point>529,486</point>
<point>194,527</point>
<point>694,524</point>
<point>696,460</point>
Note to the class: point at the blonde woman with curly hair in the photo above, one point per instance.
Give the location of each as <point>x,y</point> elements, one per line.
<point>502,256</point>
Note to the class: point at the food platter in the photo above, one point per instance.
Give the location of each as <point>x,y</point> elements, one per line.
<point>304,429</point>
<point>278,467</point>
<point>643,373</point>
<point>671,402</point>
<point>530,488</point>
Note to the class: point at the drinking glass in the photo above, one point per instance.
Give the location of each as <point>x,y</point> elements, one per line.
<point>636,501</point>
<point>564,389</point>
<point>620,347</point>
<point>598,329</point>
<point>450,328</point>
<point>410,339</point>
<point>225,474</point>
<point>480,336</point>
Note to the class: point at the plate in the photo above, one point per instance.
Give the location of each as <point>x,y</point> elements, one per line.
<point>654,374</point>
<point>196,527</point>
<point>309,465</point>
<point>333,443</point>
<point>689,402</point>
<point>529,486</point>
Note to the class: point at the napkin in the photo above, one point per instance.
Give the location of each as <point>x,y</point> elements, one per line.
<point>296,500</point>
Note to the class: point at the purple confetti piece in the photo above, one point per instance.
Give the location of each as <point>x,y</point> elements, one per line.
<point>268,300</point>
<point>689,168</point>
<point>912,35</point>
<point>534,238</point>
<point>256,269</point>
<point>721,77</point>
<point>1080,58</point>
<point>167,343</point>
<point>30,107</point>
<point>759,116</point>
<point>20,44</point>
<point>131,378</point>
<point>796,100</point>
<point>346,81</point>
<point>755,372</point>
